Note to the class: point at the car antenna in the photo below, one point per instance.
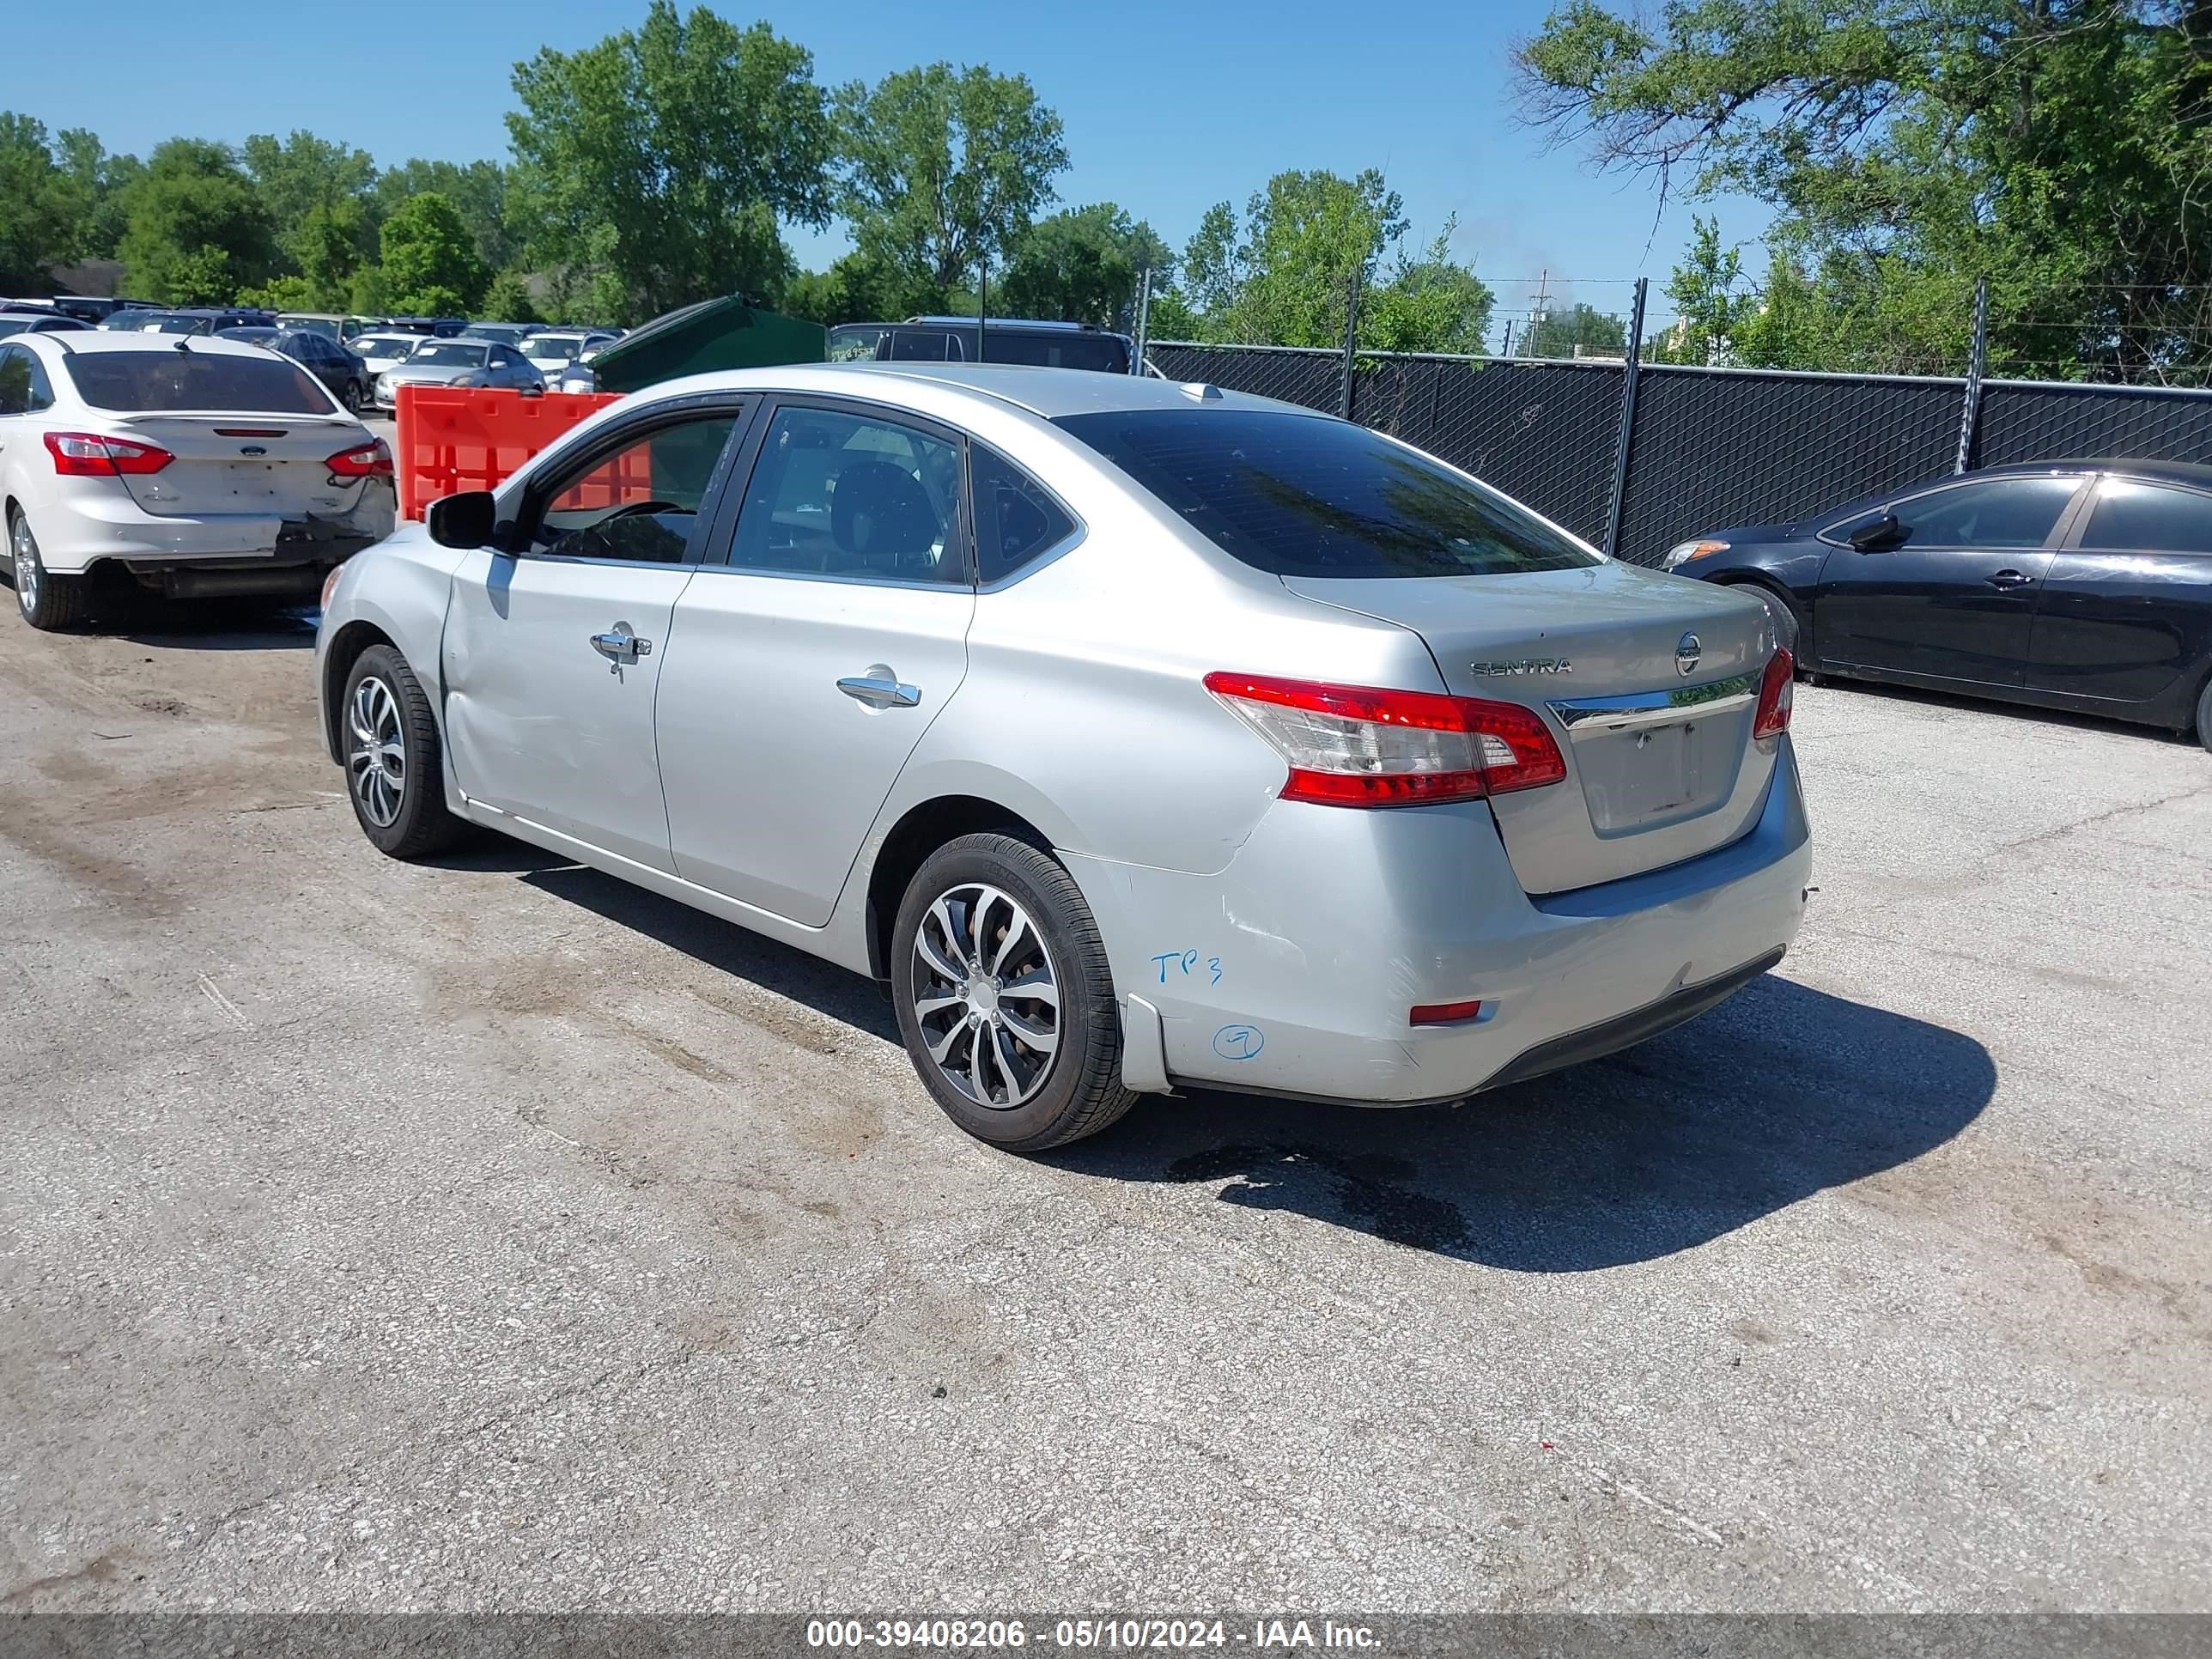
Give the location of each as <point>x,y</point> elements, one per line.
<point>184,345</point>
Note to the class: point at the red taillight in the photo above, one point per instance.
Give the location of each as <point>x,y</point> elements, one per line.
<point>85,455</point>
<point>1356,745</point>
<point>1776,696</point>
<point>371,460</point>
<point>1446,1013</point>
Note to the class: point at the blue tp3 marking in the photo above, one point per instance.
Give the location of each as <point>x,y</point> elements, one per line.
<point>1238,1041</point>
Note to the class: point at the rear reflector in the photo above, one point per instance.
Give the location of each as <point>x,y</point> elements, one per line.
<point>1356,745</point>
<point>1446,1013</point>
<point>371,460</point>
<point>86,455</point>
<point>1776,696</point>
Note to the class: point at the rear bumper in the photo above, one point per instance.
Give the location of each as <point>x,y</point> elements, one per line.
<point>81,529</point>
<point>1294,971</point>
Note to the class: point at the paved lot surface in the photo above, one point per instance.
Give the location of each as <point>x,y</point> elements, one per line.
<point>496,1235</point>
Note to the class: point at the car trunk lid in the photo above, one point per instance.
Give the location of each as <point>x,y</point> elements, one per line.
<point>272,466</point>
<point>1649,682</point>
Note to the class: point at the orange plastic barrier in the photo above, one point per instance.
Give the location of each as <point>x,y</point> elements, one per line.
<point>453,440</point>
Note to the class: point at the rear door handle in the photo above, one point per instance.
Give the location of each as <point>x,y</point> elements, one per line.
<point>2009,579</point>
<point>880,691</point>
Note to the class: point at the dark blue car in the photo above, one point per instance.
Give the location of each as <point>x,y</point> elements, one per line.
<point>2078,585</point>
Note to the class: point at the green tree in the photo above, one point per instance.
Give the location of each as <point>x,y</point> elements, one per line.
<point>41,209</point>
<point>430,266</point>
<point>945,168</point>
<point>311,188</point>
<point>1081,266</point>
<point>2053,146</point>
<point>1581,325</point>
<point>687,138</point>
<point>196,231</point>
<point>861,288</point>
<point>1284,275</point>
<point>100,180</point>
<point>481,191</point>
<point>508,300</point>
<point>1706,289</point>
<point>1430,303</point>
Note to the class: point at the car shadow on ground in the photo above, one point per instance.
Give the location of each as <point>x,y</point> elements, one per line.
<point>1779,1093</point>
<point>1966,702</point>
<point>209,624</point>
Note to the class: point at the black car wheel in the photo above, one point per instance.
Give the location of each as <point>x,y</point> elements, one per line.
<point>1003,996</point>
<point>351,397</point>
<point>47,601</point>
<point>2204,715</point>
<point>395,766</point>
<point>1780,614</point>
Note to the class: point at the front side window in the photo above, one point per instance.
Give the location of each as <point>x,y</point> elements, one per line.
<point>640,503</point>
<point>835,494</point>
<point>2147,518</point>
<point>1016,521</point>
<point>1303,495</point>
<point>148,381</point>
<point>1997,512</point>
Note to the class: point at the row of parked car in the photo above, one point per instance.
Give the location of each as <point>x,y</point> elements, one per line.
<point>361,360</point>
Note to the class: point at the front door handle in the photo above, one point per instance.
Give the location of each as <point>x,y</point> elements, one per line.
<point>620,645</point>
<point>2009,579</point>
<point>880,689</point>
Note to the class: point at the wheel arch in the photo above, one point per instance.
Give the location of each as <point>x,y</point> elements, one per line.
<point>1780,589</point>
<point>919,831</point>
<point>345,650</point>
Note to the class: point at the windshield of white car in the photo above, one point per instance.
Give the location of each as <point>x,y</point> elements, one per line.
<point>553,348</point>
<point>1302,495</point>
<point>448,354</point>
<point>141,381</point>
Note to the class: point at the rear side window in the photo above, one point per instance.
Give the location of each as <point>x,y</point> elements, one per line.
<point>925,345</point>
<point>2144,517</point>
<point>1016,520</point>
<point>1102,352</point>
<point>1302,495</point>
<point>852,343</point>
<point>170,379</point>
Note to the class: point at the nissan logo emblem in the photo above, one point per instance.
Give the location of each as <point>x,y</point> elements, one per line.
<point>1686,652</point>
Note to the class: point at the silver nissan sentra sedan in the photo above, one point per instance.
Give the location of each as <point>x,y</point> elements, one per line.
<point>1137,734</point>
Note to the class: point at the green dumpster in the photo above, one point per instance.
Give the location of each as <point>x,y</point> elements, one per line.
<point>714,334</point>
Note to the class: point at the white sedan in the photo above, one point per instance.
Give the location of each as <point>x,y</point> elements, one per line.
<point>192,466</point>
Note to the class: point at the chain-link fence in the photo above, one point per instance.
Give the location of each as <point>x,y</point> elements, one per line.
<point>1707,447</point>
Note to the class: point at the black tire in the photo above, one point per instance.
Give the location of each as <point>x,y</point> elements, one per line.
<point>1078,1089</point>
<point>351,398</point>
<point>2204,715</point>
<point>419,825</point>
<point>46,601</point>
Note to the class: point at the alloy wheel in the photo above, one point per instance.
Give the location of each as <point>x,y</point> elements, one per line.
<point>986,996</point>
<point>376,758</point>
<point>24,552</point>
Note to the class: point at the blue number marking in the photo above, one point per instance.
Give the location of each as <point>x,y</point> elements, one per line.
<point>1238,1041</point>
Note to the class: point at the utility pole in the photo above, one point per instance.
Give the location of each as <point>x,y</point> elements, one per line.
<point>1506,350</point>
<point>1627,420</point>
<point>983,301</point>
<point>1144,319</point>
<point>1351,338</point>
<point>1976,365</point>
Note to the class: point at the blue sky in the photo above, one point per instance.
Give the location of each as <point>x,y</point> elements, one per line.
<point>1169,107</point>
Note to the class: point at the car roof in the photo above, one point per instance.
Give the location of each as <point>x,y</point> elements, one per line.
<point>95,340</point>
<point>1049,393</point>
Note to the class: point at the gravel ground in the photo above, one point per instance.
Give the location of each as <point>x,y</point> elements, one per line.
<point>496,1235</point>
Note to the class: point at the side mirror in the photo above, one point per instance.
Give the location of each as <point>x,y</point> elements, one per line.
<point>1884,532</point>
<point>463,520</point>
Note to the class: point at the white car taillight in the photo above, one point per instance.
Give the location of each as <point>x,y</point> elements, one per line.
<point>371,460</point>
<point>86,455</point>
<point>1356,745</point>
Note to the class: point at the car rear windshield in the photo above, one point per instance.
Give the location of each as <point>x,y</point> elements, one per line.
<point>1303,495</point>
<point>550,346</point>
<point>140,381</point>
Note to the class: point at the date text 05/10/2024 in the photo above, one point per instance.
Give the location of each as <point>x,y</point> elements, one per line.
<point>1122,1634</point>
